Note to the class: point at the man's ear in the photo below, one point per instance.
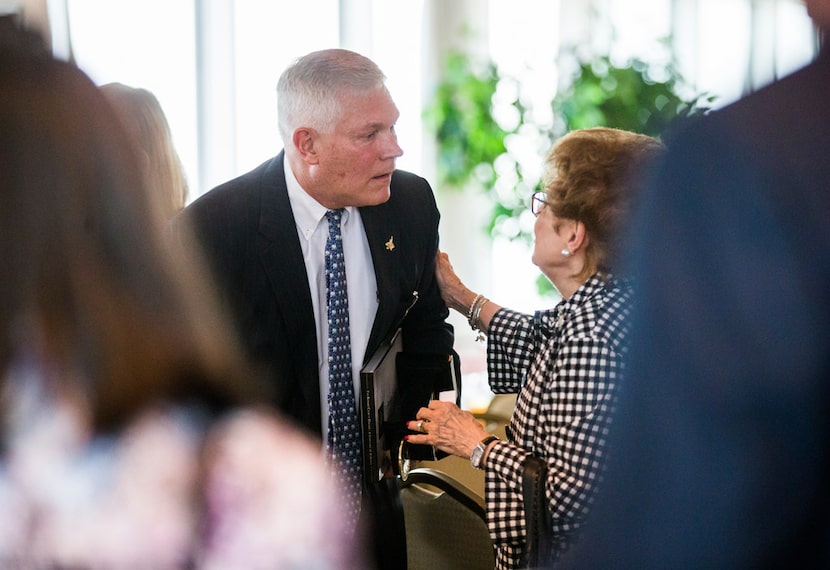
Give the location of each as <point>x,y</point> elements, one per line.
<point>304,139</point>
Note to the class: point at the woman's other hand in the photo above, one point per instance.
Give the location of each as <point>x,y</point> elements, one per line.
<point>447,427</point>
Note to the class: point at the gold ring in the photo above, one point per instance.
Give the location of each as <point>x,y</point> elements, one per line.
<point>421,426</point>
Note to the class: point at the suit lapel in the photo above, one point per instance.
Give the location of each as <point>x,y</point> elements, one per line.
<point>380,227</point>
<point>278,248</point>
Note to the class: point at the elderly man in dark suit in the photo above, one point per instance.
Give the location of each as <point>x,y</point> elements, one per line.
<point>721,452</point>
<point>265,233</point>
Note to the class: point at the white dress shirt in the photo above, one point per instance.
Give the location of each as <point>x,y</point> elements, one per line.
<point>313,229</point>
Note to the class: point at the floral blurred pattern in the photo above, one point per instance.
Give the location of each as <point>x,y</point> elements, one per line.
<point>163,494</point>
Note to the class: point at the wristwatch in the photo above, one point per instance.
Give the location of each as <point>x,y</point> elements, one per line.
<point>478,451</point>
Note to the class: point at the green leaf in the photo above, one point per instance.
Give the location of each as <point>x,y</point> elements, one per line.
<point>637,96</point>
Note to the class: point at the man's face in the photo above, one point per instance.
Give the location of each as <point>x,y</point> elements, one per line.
<point>356,160</point>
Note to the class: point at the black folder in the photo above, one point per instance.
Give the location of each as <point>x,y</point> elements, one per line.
<point>393,386</point>
<point>379,405</point>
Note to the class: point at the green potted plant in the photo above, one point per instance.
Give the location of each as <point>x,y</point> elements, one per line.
<point>473,145</point>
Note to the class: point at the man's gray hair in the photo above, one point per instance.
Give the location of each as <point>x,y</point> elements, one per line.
<point>310,90</point>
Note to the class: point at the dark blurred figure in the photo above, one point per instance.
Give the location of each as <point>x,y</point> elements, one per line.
<point>12,34</point>
<point>147,124</point>
<point>724,425</point>
<point>130,434</point>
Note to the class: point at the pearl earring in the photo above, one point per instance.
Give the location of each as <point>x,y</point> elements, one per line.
<point>566,252</point>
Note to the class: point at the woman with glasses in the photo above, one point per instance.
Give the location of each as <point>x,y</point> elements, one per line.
<point>565,363</point>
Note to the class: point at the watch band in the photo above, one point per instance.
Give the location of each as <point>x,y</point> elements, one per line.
<point>478,451</point>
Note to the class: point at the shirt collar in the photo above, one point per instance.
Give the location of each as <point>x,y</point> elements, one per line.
<point>308,212</point>
<point>552,319</point>
<point>588,289</point>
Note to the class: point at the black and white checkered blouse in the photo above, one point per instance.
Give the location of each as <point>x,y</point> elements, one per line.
<point>566,364</point>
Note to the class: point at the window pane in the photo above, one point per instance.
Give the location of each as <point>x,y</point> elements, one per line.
<point>149,44</point>
<point>268,37</point>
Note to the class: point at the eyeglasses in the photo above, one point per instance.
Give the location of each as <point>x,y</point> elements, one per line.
<point>537,203</point>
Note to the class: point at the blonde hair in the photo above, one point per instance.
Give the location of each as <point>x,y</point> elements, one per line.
<point>595,176</point>
<point>146,123</point>
<point>123,317</point>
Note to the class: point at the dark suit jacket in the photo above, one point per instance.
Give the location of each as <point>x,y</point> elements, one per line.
<point>249,236</point>
<point>720,451</point>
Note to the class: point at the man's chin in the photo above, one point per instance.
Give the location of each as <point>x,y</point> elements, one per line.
<point>378,195</point>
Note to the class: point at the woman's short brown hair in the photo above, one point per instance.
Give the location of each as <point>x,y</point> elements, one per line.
<point>594,176</point>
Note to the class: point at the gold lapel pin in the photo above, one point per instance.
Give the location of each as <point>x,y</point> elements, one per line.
<point>390,245</point>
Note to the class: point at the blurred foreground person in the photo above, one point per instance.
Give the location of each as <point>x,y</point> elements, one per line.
<point>566,363</point>
<point>129,437</point>
<point>724,437</point>
<point>146,123</point>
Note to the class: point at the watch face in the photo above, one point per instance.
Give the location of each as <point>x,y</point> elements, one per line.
<point>478,451</point>
<point>403,461</point>
<point>475,457</point>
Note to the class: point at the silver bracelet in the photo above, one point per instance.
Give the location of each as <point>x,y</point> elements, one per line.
<point>475,313</point>
<point>472,308</point>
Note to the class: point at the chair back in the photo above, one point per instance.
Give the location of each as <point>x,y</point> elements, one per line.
<point>445,523</point>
